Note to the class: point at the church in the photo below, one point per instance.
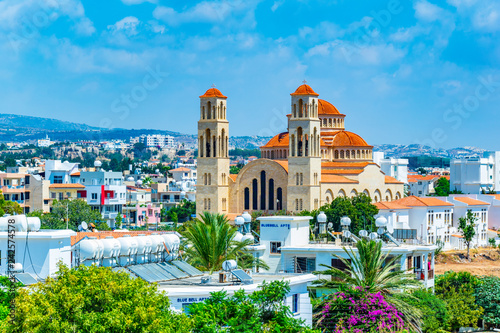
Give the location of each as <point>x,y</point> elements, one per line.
<point>313,162</point>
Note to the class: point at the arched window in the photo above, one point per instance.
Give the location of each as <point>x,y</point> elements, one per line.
<point>357,154</point>
<point>341,154</point>
<point>221,108</point>
<point>299,141</point>
<point>301,179</point>
<point>271,194</point>
<point>347,154</point>
<point>295,110</point>
<point>209,179</point>
<point>297,179</point>
<point>247,198</point>
<point>353,154</point>
<point>255,195</point>
<point>209,108</point>
<point>207,143</point>
<point>200,146</point>
<point>336,154</point>
<point>205,179</point>
<point>301,108</point>
<point>292,145</point>
<point>202,112</point>
<point>279,199</point>
<point>263,190</point>
<point>313,108</point>
<point>208,204</point>
<point>215,146</point>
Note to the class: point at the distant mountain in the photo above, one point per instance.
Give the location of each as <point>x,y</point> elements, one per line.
<point>39,123</point>
<point>420,150</point>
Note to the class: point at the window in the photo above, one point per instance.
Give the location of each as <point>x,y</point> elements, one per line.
<point>304,265</point>
<point>339,264</point>
<point>58,179</point>
<point>27,180</point>
<point>45,202</point>
<point>27,195</point>
<point>275,248</point>
<point>94,196</point>
<point>295,303</point>
<point>60,195</point>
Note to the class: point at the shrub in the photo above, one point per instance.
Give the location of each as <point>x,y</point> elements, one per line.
<point>434,311</point>
<point>488,296</point>
<point>356,310</point>
<point>457,290</point>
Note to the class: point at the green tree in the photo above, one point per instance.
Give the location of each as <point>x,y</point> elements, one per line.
<point>263,310</point>
<point>77,211</point>
<point>375,272</point>
<point>183,211</point>
<point>235,169</point>
<point>442,188</point>
<point>211,241</point>
<point>359,209</point>
<point>457,290</point>
<point>492,242</point>
<point>467,225</point>
<point>95,299</point>
<point>114,165</point>
<point>118,221</point>
<point>172,216</point>
<point>487,294</point>
<point>9,207</point>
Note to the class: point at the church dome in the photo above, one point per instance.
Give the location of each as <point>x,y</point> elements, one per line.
<point>348,139</point>
<point>304,90</point>
<point>279,140</point>
<point>326,108</point>
<point>213,92</point>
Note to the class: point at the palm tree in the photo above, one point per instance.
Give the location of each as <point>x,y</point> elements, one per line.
<point>210,242</point>
<point>375,272</point>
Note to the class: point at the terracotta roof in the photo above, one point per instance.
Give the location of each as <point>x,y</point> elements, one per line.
<point>180,169</point>
<point>470,201</point>
<point>344,164</point>
<point>392,180</point>
<point>389,205</point>
<point>279,140</point>
<point>115,234</point>
<point>415,178</point>
<point>283,163</point>
<point>413,201</point>
<point>213,92</point>
<point>304,90</point>
<point>75,173</point>
<point>337,179</point>
<point>342,172</point>
<point>66,186</point>
<point>233,177</point>
<point>348,139</point>
<point>458,236</point>
<point>325,107</point>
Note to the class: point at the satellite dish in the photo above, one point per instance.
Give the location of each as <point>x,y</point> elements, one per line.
<point>363,233</point>
<point>346,234</point>
<point>84,225</point>
<point>373,235</point>
<point>330,225</point>
<point>80,228</point>
<point>381,231</point>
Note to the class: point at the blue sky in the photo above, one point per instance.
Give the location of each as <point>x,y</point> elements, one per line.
<point>402,71</point>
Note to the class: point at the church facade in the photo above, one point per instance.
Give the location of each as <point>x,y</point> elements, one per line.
<point>312,163</point>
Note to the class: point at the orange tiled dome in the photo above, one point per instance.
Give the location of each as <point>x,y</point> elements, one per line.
<point>213,92</point>
<point>345,138</point>
<point>325,107</point>
<point>279,140</point>
<point>304,90</point>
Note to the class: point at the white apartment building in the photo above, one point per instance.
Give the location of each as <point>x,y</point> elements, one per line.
<point>394,167</point>
<point>285,246</point>
<point>422,186</point>
<point>432,220</point>
<point>475,174</point>
<point>45,142</point>
<point>154,140</point>
<point>104,191</point>
<point>58,172</point>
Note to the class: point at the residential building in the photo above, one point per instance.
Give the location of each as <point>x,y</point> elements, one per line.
<point>65,191</point>
<point>104,191</point>
<point>284,244</point>
<point>13,188</point>
<point>422,186</point>
<point>45,142</point>
<point>313,162</point>
<point>475,175</point>
<point>139,209</point>
<point>154,140</point>
<point>58,172</point>
<point>394,167</point>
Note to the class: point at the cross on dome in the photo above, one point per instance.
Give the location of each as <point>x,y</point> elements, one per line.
<point>304,82</point>
<point>213,85</point>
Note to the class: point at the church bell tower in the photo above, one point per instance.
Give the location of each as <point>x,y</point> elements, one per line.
<point>212,190</point>
<point>304,159</point>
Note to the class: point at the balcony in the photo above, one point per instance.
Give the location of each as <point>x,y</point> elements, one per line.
<point>420,274</point>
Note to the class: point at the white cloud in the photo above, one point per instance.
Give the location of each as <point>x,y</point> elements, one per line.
<point>276,5</point>
<point>483,15</point>
<point>127,25</point>
<point>427,11</point>
<point>238,12</point>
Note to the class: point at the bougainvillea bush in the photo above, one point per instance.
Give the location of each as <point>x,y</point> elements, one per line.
<point>356,310</point>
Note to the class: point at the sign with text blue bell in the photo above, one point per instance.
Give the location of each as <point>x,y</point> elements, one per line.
<point>275,225</point>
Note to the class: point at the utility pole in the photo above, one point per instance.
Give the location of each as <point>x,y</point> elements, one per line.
<point>67,213</point>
